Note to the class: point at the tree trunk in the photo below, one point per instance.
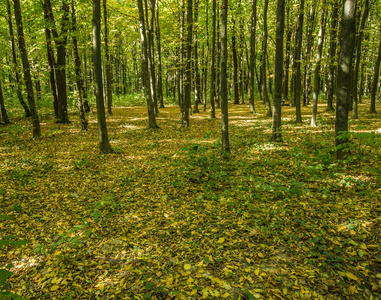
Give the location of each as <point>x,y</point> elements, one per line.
<point>104,144</point>
<point>207,56</point>
<point>235,65</point>
<point>78,75</point>
<point>358,57</point>
<point>3,112</point>
<point>26,67</point>
<point>197,91</point>
<point>318,64</point>
<point>159,64</point>
<point>277,116</point>
<point>212,64</point>
<point>224,92</point>
<point>298,51</point>
<point>151,54</point>
<point>252,55</point>
<point>181,66</point>
<point>145,69</point>
<point>375,80</point>
<point>14,61</point>
<point>108,78</point>
<point>188,72</point>
<point>347,37</point>
<point>264,57</point>
<point>332,54</point>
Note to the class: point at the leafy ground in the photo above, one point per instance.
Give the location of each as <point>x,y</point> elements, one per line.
<point>164,217</point>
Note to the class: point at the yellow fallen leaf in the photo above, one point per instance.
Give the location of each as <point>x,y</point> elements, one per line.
<point>285,291</point>
<point>378,275</point>
<point>260,255</point>
<point>351,276</point>
<point>221,240</point>
<point>187,266</point>
<point>226,285</point>
<point>256,272</point>
<point>225,295</point>
<point>54,288</point>
<point>193,292</point>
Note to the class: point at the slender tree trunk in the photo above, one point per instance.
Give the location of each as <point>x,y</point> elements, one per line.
<point>26,67</point>
<point>235,65</point>
<point>104,144</point>
<point>358,57</point>
<point>277,116</point>
<point>207,56</point>
<point>3,112</point>
<point>14,61</point>
<point>264,57</point>
<point>375,80</point>
<point>145,69</point>
<point>318,65</point>
<point>252,55</point>
<point>332,54</point>
<point>212,64</point>
<point>151,54</point>
<point>181,67</point>
<point>197,91</point>
<point>347,37</point>
<point>224,85</point>
<point>108,72</point>
<point>308,53</point>
<point>159,64</point>
<point>78,75</point>
<point>188,72</point>
<point>298,51</point>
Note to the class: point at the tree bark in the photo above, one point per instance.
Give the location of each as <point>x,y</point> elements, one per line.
<point>235,65</point>
<point>145,69</point>
<point>264,57</point>
<point>224,85</point>
<point>318,65</point>
<point>332,54</point>
<point>108,78</point>
<point>104,144</point>
<point>348,32</point>
<point>14,61</point>
<point>159,63</point>
<point>252,55</point>
<point>212,64</point>
<point>3,112</point>
<point>298,51</point>
<point>181,66</point>
<point>277,116</point>
<point>26,67</point>
<point>197,92</point>
<point>375,80</point>
<point>188,72</point>
<point>358,57</point>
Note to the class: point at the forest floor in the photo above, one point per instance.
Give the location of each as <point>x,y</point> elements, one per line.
<point>165,217</point>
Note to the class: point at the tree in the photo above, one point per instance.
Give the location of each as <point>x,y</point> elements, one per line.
<point>224,83</point>
<point>3,112</point>
<point>145,69</point>
<point>375,80</point>
<point>235,64</point>
<point>14,61</point>
<point>277,116</point>
<point>159,63</point>
<point>264,58</point>
<point>252,54</point>
<point>108,78</point>
<point>347,38</point>
<point>104,144</point>
<point>212,64</point>
<point>298,78</point>
<point>26,67</point>
<point>197,91</point>
<point>318,65</point>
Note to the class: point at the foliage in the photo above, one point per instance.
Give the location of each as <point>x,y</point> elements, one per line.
<point>166,218</point>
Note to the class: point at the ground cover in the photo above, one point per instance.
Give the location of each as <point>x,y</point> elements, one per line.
<point>164,217</point>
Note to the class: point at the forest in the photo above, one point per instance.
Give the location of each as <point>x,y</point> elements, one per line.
<point>187,149</point>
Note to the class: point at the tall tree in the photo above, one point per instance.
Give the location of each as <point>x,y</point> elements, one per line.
<point>332,54</point>
<point>104,144</point>
<point>277,116</point>
<point>264,58</point>
<point>188,72</point>
<point>78,75</point>
<point>108,79</point>
<point>212,64</point>
<point>145,69</point>
<point>197,91</point>
<point>252,54</point>
<point>375,80</point>
<point>298,52</point>
<point>14,61</point>
<point>26,67</point>
<point>347,38</point>
<point>235,64</point>
<point>318,64</point>
<point>159,62</point>
<point>358,57</point>
<point>224,83</point>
